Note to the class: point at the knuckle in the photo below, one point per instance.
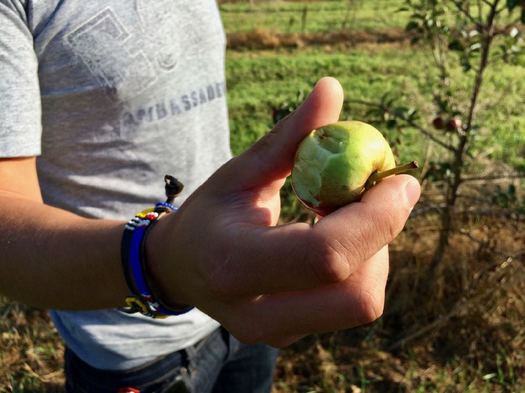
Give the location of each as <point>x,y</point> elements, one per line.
<point>327,260</point>
<point>356,247</point>
<point>370,306</point>
<point>386,223</point>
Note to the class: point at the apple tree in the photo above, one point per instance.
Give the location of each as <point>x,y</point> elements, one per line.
<point>471,36</point>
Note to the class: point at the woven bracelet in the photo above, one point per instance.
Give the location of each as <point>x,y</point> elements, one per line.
<point>143,299</point>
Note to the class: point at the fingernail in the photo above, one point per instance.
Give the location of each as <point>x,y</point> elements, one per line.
<point>412,191</point>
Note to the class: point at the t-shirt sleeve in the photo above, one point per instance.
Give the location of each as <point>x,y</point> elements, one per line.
<point>20,106</point>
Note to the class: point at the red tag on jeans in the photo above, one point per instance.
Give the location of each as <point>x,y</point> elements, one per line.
<point>128,390</point>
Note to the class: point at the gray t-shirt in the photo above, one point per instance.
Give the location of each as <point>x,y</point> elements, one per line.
<point>111,95</point>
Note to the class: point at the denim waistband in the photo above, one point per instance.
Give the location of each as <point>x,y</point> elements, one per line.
<point>82,377</point>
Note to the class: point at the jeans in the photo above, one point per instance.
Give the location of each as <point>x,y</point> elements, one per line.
<point>217,364</point>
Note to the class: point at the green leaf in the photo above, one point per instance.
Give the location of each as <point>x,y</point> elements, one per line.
<point>475,47</point>
<point>456,45</point>
<point>511,4</point>
<point>465,63</point>
<point>412,25</point>
<point>401,111</point>
<point>391,123</point>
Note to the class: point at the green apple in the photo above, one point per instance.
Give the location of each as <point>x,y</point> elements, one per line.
<point>335,164</point>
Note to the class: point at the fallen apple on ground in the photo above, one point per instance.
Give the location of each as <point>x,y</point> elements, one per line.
<point>335,164</point>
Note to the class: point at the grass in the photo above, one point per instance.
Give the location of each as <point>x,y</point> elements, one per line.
<point>257,84</point>
<point>460,331</point>
<point>260,82</point>
<point>31,351</point>
<point>319,16</point>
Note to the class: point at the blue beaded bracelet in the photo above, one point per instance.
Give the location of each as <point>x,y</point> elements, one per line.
<point>142,298</point>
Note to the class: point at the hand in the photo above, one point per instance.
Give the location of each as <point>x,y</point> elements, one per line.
<point>223,252</point>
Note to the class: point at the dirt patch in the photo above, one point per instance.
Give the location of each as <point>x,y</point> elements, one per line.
<point>454,331</point>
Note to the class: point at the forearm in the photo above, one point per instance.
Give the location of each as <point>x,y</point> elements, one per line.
<point>54,259</point>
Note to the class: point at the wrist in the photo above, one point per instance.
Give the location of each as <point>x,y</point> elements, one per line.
<point>145,296</point>
<point>163,268</point>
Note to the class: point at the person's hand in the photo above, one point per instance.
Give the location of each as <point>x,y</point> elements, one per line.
<point>223,252</point>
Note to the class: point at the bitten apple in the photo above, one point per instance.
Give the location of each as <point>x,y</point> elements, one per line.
<point>335,164</point>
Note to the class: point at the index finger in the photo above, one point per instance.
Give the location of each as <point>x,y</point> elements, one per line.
<point>299,256</point>
<point>280,318</point>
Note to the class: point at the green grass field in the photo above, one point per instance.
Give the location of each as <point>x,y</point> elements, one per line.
<point>257,83</point>
<point>467,335</point>
<point>314,16</point>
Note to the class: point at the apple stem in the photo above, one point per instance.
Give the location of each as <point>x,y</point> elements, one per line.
<point>377,176</point>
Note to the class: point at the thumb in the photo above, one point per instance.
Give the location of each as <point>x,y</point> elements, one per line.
<point>359,230</point>
<point>271,158</point>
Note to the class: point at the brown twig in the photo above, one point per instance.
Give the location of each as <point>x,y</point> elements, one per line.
<point>409,122</point>
<point>458,307</point>
<point>493,177</point>
<point>466,12</point>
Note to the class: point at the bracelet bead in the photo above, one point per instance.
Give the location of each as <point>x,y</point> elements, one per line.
<point>142,298</point>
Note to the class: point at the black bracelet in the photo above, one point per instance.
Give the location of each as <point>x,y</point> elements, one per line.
<point>142,298</point>
<point>176,309</point>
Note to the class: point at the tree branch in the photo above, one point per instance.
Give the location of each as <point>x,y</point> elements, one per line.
<point>506,29</point>
<point>502,254</point>
<point>466,12</point>
<point>409,122</point>
<point>430,136</point>
<point>493,177</point>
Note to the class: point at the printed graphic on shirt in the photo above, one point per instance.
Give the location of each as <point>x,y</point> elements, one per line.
<point>158,17</point>
<point>172,106</point>
<point>101,44</point>
<point>126,60</point>
<point>174,28</point>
